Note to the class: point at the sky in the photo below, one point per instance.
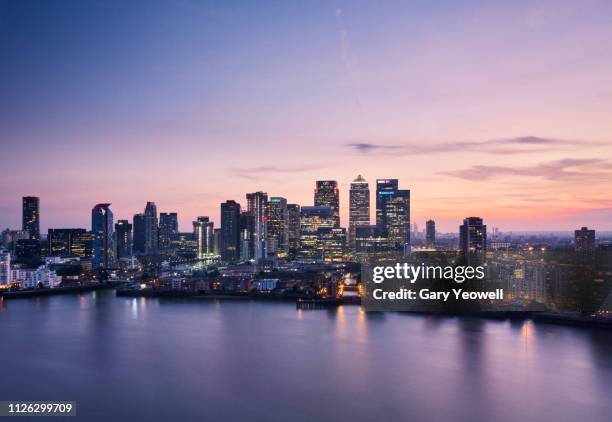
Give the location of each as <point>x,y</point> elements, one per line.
<point>501,110</point>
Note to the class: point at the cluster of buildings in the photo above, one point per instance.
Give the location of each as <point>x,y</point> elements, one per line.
<point>266,230</point>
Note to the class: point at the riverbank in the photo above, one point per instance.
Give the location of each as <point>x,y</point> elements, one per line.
<point>29,293</point>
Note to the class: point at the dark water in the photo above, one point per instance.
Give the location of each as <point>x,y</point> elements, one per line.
<point>150,360</point>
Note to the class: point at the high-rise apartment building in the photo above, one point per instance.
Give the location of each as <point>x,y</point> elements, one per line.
<point>430,233</point>
<point>168,230</point>
<point>278,230</point>
<point>203,230</point>
<point>257,206</point>
<point>230,231</point>
<point>473,236</point>
<point>139,234</point>
<point>151,229</point>
<point>102,236</point>
<point>123,239</point>
<point>30,216</point>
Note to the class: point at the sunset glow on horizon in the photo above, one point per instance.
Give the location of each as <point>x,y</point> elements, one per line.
<point>495,109</point>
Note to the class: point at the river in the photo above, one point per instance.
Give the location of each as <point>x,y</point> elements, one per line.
<point>126,359</point>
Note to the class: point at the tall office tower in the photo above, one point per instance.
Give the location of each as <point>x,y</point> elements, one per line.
<point>168,230</point>
<point>30,216</point>
<point>393,213</point>
<point>247,227</point>
<point>139,235</point>
<point>278,230</point>
<point>584,240</point>
<point>430,233</point>
<point>473,236</point>
<point>123,239</point>
<point>203,230</point>
<point>359,207</point>
<point>327,195</point>
<point>65,242</point>
<point>5,267</point>
<point>257,205</point>
<point>102,236</point>
<point>230,231</point>
<point>311,221</point>
<point>293,228</point>
<point>151,229</point>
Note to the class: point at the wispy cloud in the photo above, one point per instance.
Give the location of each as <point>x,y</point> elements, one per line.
<point>516,145</point>
<point>267,172</point>
<point>583,170</point>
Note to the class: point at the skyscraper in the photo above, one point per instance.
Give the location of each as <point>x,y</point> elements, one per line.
<point>293,228</point>
<point>247,227</point>
<point>204,232</point>
<point>257,205</point>
<point>123,239</point>
<point>151,229</point>
<point>473,236</point>
<point>102,236</point>
<point>584,240</point>
<point>393,213</point>
<point>139,235</point>
<point>326,194</point>
<point>278,230</point>
<point>430,233</point>
<point>30,216</point>
<point>230,231</point>
<point>168,230</point>
<point>359,207</point>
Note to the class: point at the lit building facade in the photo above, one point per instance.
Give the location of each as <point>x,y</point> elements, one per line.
<point>293,229</point>
<point>123,239</point>
<point>67,242</point>
<point>203,230</point>
<point>30,216</point>
<point>393,213</point>
<point>257,205</point>
<point>312,219</point>
<point>326,194</point>
<point>168,230</point>
<point>430,233</point>
<point>278,230</point>
<point>151,229</point>
<point>5,267</point>
<point>359,207</point>
<point>473,240</point>
<point>102,236</point>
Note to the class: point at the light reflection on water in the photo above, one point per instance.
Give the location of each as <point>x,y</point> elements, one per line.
<point>146,359</point>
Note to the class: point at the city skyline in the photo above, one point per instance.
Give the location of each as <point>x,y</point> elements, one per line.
<point>190,105</point>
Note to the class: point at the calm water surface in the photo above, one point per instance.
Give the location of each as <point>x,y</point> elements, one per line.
<point>146,359</point>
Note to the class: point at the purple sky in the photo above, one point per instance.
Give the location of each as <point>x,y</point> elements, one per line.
<point>495,109</point>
